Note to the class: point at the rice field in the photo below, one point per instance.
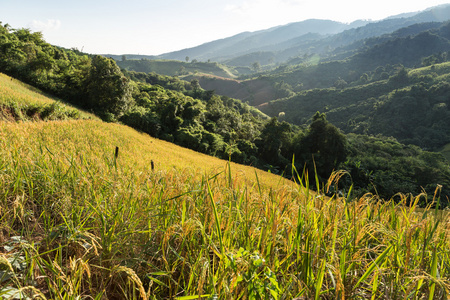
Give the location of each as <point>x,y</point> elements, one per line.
<point>91,210</point>
<point>21,102</point>
<point>84,215</point>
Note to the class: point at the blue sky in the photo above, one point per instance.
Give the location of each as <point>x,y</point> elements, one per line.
<point>157,26</point>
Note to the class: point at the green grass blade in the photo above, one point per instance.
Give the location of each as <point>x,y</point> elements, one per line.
<point>192,297</point>
<point>319,281</point>
<point>380,259</point>
<point>216,218</point>
<point>433,274</point>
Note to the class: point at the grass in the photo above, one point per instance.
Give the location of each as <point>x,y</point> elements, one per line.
<point>441,69</point>
<point>173,67</point>
<point>84,215</point>
<point>21,102</point>
<point>77,222</point>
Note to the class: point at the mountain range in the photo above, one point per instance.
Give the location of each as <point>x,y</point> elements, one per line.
<point>281,43</point>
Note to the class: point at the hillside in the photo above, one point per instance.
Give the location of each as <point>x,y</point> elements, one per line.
<point>184,113</point>
<point>94,142</point>
<point>254,91</point>
<point>412,108</point>
<point>377,57</point>
<point>97,209</point>
<point>21,102</point>
<point>68,168</point>
<point>256,41</point>
<point>285,42</point>
<point>407,46</point>
<point>176,68</point>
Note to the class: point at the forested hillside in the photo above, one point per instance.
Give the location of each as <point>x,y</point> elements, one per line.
<point>359,62</point>
<point>410,106</point>
<point>184,113</point>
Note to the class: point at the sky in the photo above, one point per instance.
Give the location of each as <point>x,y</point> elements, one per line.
<point>154,27</point>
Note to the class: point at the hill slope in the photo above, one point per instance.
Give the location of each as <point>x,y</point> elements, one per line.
<point>19,101</point>
<point>80,218</point>
<point>414,107</point>
<point>255,41</point>
<point>175,68</point>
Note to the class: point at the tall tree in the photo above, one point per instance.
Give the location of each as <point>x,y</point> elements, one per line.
<point>274,136</point>
<point>324,145</point>
<point>108,90</point>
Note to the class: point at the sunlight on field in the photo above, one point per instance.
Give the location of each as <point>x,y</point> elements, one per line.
<point>23,96</point>
<point>79,220</point>
<point>97,140</point>
<point>439,69</point>
<point>17,91</point>
<point>99,209</point>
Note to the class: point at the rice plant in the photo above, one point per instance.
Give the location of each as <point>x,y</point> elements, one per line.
<point>21,102</point>
<point>81,220</point>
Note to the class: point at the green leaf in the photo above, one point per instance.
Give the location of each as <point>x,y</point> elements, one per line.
<point>380,259</point>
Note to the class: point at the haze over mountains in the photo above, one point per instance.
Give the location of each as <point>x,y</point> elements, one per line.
<point>281,43</point>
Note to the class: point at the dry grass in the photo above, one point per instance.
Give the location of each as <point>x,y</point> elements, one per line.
<point>77,222</point>
<point>21,102</point>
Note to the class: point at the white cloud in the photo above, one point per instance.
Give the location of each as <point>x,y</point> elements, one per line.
<point>239,9</point>
<point>48,25</point>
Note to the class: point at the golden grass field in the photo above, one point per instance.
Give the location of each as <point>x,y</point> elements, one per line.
<point>98,140</point>
<point>78,221</point>
<point>17,97</point>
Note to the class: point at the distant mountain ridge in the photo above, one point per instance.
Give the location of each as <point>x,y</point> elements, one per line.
<point>248,42</point>
<point>326,45</point>
<point>298,38</point>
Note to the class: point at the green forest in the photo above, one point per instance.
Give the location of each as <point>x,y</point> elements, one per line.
<point>378,128</point>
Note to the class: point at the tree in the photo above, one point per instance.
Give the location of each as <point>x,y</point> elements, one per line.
<point>274,137</point>
<point>401,77</point>
<point>364,78</point>
<point>256,66</point>
<point>196,88</point>
<point>195,84</point>
<point>340,83</point>
<point>108,90</point>
<point>187,58</point>
<point>324,145</point>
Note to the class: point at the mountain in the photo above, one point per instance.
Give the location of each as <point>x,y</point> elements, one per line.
<point>290,43</point>
<point>255,41</point>
<point>375,56</point>
<point>328,34</point>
